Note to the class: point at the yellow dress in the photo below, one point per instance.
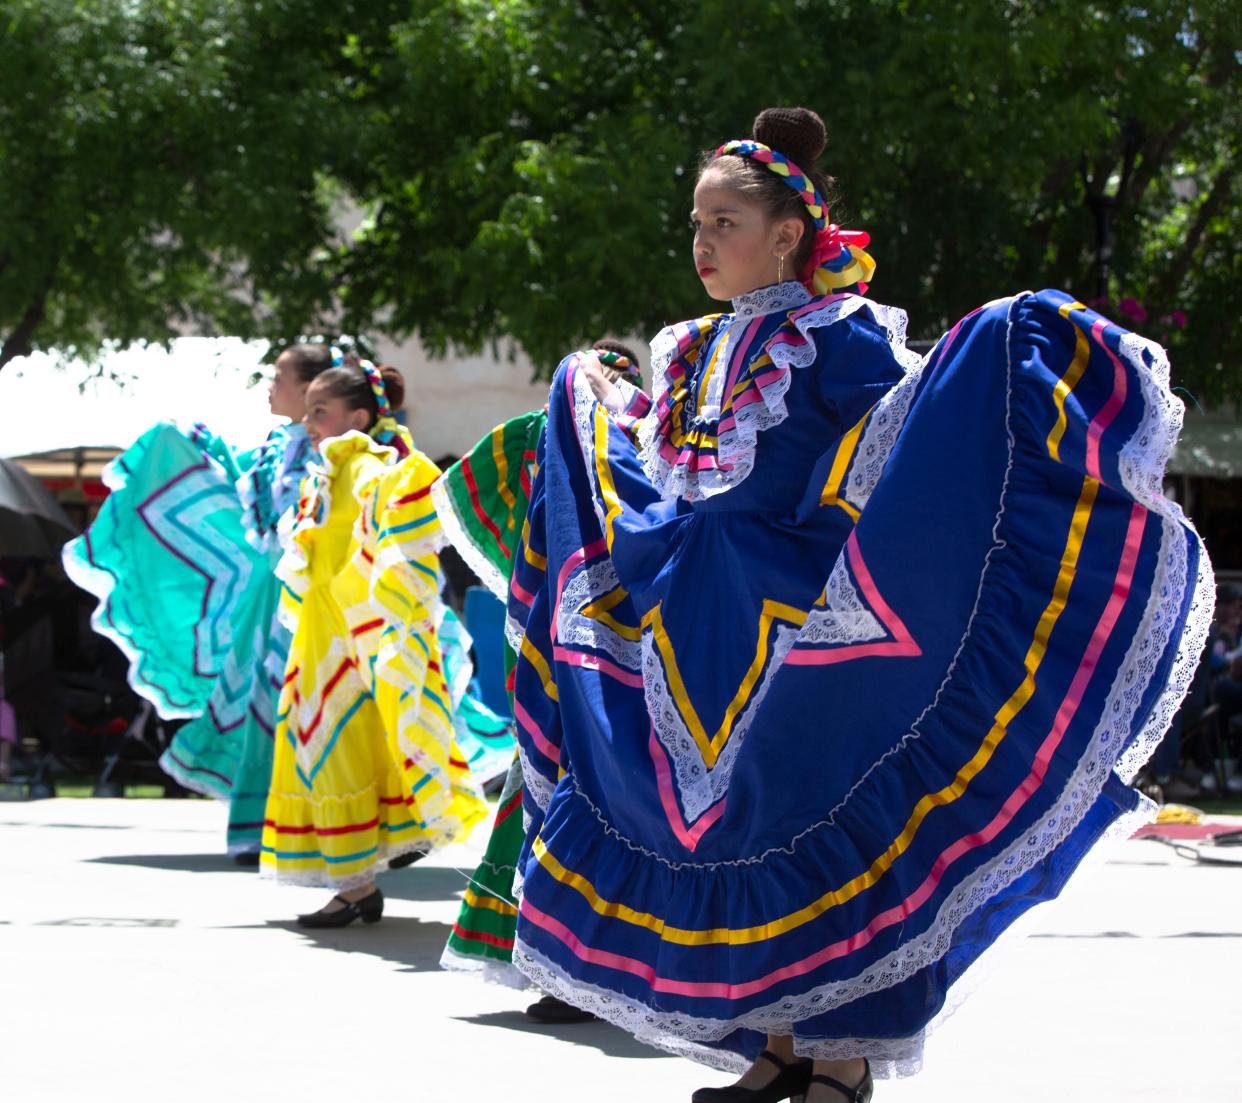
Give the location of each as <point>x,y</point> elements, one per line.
<point>366,767</point>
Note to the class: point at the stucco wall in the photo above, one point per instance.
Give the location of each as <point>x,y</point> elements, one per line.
<point>451,403</point>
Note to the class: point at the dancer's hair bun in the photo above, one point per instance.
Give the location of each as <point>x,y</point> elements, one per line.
<point>394,386</point>
<point>797,132</point>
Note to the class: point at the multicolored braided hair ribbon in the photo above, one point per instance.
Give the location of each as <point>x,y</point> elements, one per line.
<point>622,365</point>
<point>385,430</point>
<point>838,257</point>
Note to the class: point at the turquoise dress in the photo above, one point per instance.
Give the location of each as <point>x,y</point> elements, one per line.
<point>182,559</point>
<point>226,751</point>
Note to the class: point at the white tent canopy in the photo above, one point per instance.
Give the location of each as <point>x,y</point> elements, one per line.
<point>46,404</point>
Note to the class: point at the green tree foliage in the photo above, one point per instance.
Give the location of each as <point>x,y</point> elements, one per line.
<point>529,163</point>
<point>525,167</point>
<point>155,172</point>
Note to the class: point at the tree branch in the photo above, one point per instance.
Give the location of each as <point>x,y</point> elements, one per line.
<point>17,343</point>
<point>1162,292</point>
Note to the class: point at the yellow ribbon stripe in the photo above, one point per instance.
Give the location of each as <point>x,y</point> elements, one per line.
<point>492,903</point>
<point>600,610</point>
<point>541,667</point>
<point>539,562</point>
<point>840,464</point>
<point>748,377</point>
<point>711,367</point>
<point>502,471</point>
<point>710,748</point>
<point>607,488</point>
<point>950,793</point>
<point>1082,352</point>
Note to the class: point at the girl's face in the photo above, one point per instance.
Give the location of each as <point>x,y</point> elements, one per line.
<point>736,246</point>
<point>286,394</point>
<point>327,415</point>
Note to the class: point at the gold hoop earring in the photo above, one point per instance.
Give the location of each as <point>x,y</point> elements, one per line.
<point>780,267</point>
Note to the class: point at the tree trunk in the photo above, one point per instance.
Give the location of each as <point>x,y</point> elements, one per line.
<point>17,343</point>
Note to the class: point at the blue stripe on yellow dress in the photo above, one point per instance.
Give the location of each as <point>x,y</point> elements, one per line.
<point>839,662</point>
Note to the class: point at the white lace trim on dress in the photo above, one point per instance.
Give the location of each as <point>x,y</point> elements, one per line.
<point>736,444</point>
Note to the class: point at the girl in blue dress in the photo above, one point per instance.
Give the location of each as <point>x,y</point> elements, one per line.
<point>832,662</point>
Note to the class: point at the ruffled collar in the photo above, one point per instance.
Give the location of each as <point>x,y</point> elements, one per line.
<point>692,450</point>
<point>767,300</point>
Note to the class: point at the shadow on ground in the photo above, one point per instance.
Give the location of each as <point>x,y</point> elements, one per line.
<point>608,1039</point>
<point>417,882</point>
<point>413,944</point>
<point>424,882</point>
<point>188,863</point>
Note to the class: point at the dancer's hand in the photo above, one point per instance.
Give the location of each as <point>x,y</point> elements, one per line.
<point>601,386</point>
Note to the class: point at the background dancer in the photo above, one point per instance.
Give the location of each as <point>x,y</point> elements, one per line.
<point>482,501</point>
<point>366,767</point>
<point>180,557</point>
<point>226,752</point>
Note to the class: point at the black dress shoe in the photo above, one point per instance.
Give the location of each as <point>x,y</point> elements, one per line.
<point>406,859</point>
<point>551,1010</point>
<point>246,858</point>
<point>791,1081</point>
<point>860,1094</point>
<point>369,909</point>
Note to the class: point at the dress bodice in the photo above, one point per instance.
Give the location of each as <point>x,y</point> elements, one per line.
<point>813,366</point>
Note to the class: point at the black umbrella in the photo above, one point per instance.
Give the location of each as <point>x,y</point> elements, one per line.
<point>32,524</point>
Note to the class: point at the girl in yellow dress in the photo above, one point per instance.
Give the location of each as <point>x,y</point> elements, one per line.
<point>366,770</point>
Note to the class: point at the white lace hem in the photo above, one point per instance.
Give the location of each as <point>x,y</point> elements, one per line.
<point>889,1057</point>
<point>320,878</point>
<point>491,970</point>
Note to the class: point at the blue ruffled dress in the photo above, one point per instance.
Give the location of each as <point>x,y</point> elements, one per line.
<point>833,662</point>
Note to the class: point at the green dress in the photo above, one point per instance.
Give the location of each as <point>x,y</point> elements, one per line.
<point>481,502</point>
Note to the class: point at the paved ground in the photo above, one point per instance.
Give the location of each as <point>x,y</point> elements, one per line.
<point>137,963</point>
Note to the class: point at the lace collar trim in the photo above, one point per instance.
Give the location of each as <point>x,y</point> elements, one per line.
<point>775,296</point>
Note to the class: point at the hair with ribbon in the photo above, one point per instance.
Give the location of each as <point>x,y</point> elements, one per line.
<point>385,429</point>
<point>618,359</point>
<point>830,258</point>
<point>363,386</point>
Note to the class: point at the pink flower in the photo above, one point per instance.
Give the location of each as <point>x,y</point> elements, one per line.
<point>1178,318</point>
<point>1132,309</point>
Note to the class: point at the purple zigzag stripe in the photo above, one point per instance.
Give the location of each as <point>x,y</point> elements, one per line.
<point>264,724</point>
<point>211,581</point>
<point>200,770</point>
<point>106,608</point>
